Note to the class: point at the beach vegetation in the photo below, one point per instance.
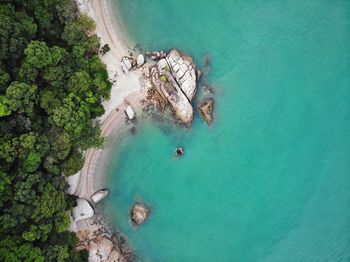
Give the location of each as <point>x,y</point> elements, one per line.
<point>105,49</point>
<point>52,84</point>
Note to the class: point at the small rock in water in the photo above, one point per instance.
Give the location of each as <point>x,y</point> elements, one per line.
<point>206,108</point>
<point>139,213</point>
<point>179,152</point>
<point>133,130</point>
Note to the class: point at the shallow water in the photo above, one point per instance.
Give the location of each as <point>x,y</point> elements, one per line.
<point>270,180</point>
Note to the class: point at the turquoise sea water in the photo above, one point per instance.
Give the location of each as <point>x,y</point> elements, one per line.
<point>270,180</point>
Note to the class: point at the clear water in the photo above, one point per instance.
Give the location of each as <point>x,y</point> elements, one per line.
<point>270,181</point>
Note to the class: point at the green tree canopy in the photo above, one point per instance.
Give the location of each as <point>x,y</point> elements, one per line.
<point>52,83</point>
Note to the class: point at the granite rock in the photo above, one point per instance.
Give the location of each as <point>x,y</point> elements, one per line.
<point>140,59</point>
<point>175,79</point>
<point>139,213</point>
<point>183,69</point>
<point>167,86</point>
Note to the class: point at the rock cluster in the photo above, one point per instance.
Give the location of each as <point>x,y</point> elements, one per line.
<point>174,77</point>
<point>139,213</point>
<point>102,248</point>
<point>129,63</point>
<point>156,55</point>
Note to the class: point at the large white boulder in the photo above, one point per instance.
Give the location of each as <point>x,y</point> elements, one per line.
<point>169,89</point>
<point>140,59</point>
<point>83,210</point>
<point>175,79</point>
<point>184,71</point>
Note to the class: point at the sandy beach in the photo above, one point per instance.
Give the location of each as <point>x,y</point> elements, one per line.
<point>126,90</point>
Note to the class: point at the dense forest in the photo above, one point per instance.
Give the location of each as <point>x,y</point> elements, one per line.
<point>52,83</point>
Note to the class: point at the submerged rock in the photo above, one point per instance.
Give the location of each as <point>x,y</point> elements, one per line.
<point>139,213</point>
<point>206,108</point>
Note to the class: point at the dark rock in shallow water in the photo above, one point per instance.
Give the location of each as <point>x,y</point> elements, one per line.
<point>139,213</point>
<point>206,62</point>
<point>179,152</point>
<point>133,130</point>
<point>206,108</point>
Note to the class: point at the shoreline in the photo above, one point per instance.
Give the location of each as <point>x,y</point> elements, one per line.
<point>167,79</point>
<point>127,89</point>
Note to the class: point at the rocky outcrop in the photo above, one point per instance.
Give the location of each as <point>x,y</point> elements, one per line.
<point>93,235</point>
<point>206,108</point>
<point>174,77</point>
<point>168,88</point>
<point>156,55</point>
<point>102,248</point>
<point>183,69</point>
<point>139,213</point>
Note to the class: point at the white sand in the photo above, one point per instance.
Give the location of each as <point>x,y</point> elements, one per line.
<point>126,90</point>
<point>125,87</point>
<point>109,30</point>
<point>115,120</point>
